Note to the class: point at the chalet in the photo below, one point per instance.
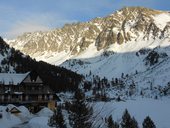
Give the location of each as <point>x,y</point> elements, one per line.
<point>25,89</point>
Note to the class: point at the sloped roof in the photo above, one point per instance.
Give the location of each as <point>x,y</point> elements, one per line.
<point>12,108</point>
<point>12,78</point>
<point>15,110</point>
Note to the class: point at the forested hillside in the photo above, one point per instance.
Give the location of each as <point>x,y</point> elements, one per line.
<point>59,79</point>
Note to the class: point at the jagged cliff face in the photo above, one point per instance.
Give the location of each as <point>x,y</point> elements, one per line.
<point>127,24</point>
<point>72,38</point>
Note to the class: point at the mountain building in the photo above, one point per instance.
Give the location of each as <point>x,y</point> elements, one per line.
<point>25,89</point>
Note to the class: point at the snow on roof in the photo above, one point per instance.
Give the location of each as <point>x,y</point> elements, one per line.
<point>12,78</point>
<point>45,112</point>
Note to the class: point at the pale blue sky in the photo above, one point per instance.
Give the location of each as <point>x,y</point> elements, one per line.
<point>19,16</point>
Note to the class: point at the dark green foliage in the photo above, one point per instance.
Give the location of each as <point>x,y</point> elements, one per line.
<point>122,76</point>
<point>107,53</point>
<point>144,51</point>
<point>51,121</point>
<point>59,79</point>
<point>56,120</point>
<point>87,85</point>
<point>127,121</point>
<point>148,123</point>
<point>152,58</point>
<point>79,95</point>
<point>135,123</point>
<point>59,119</point>
<point>80,111</point>
<point>118,98</point>
<point>111,123</point>
<point>3,47</point>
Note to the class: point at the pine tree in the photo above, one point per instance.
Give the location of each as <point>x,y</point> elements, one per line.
<point>51,121</point>
<point>81,112</point>
<point>127,121</point>
<point>59,118</point>
<point>134,123</point>
<point>111,123</point>
<point>122,75</point>
<point>148,123</point>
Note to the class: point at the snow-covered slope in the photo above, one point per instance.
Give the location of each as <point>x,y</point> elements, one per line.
<point>133,41</point>
<point>25,119</point>
<point>132,44</point>
<point>136,62</point>
<point>139,109</point>
<point>125,25</point>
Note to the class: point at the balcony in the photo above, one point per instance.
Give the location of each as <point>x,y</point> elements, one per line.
<point>22,100</point>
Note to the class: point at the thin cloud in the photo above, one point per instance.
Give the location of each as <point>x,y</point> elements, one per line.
<point>18,17</point>
<point>35,22</point>
<point>23,27</point>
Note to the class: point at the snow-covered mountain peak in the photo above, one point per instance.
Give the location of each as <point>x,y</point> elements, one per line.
<point>122,56</point>
<point>122,26</point>
<point>123,42</point>
<point>161,20</point>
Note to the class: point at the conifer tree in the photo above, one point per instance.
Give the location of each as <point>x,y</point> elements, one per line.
<point>51,121</point>
<point>111,123</point>
<point>148,123</point>
<point>81,112</point>
<point>127,121</point>
<point>59,118</point>
<point>134,123</point>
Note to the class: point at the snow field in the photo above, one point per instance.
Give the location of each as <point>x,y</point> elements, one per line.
<point>158,110</point>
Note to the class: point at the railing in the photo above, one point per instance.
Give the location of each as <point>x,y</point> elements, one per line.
<point>24,100</point>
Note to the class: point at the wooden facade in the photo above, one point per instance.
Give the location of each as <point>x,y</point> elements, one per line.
<point>25,88</point>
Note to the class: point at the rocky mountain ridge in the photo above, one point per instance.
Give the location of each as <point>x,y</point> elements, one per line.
<point>134,41</point>
<point>127,24</point>
<point>123,57</point>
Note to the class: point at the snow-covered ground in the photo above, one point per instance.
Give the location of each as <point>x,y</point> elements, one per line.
<point>122,60</point>
<point>161,20</point>
<point>158,110</point>
<point>125,58</point>
<point>24,119</point>
<point>8,119</point>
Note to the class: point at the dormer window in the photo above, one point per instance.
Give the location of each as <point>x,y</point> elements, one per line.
<point>33,76</point>
<point>33,88</point>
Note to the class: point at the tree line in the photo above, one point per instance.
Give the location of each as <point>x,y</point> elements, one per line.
<point>58,78</point>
